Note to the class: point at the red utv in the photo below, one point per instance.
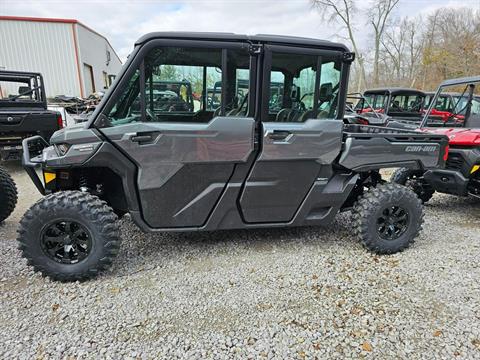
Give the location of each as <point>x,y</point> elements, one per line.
<point>461,175</point>
<point>385,105</point>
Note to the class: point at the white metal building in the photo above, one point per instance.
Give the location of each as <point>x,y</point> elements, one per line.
<point>73,59</point>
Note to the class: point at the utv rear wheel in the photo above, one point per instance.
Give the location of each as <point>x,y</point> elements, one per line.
<point>8,195</point>
<point>388,218</point>
<point>69,236</point>
<point>413,180</point>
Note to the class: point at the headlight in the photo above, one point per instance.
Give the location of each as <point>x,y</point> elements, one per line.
<point>62,149</point>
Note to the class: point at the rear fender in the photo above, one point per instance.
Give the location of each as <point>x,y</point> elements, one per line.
<point>365,154</point>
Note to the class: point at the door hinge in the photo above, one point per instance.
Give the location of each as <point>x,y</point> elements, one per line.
<point>348,57</point>
<point>255,49</point>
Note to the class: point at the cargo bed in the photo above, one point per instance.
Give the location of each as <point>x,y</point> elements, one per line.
<point>368,147</point>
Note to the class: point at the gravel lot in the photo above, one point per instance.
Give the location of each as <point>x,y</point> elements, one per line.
<point>295,293</point>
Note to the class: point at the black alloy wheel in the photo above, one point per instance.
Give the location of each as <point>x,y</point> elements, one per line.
<point>392,222</point>
<point>67,242</point>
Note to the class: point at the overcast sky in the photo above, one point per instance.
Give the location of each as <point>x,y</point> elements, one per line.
<point>122,22</point>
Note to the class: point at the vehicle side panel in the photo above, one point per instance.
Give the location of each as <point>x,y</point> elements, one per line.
<point>286,169</point>
<point>184,169</point>
<point>369,154</point>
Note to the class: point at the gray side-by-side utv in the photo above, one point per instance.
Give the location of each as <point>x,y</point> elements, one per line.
<point>263,159</point>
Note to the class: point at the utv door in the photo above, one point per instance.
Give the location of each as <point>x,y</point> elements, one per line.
<point>185,152</point>
<point>300,133</point>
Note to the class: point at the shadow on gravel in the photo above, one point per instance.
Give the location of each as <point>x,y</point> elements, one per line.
<point>141,251</point>
<point>454,203</point>
<point>12,166</point>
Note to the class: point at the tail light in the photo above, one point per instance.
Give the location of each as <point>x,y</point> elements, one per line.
<point>59,121</point>
<point>445,154</point>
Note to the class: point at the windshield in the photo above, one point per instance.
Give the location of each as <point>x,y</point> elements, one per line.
<point>444,102</point>
<point>461,105</point>
<point>461,110</point>
<point>406,103</point>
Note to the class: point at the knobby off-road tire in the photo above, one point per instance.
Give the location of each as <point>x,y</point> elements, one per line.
<point>8,195</point>
<point>409,178</point>
<point>69,236</point>
<point>388,218</point>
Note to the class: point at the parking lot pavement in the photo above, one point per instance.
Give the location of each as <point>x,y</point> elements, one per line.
<point>281,293</point>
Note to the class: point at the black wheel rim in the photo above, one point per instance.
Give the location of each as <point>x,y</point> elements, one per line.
<point>392,222</point>
<point>66,242</point>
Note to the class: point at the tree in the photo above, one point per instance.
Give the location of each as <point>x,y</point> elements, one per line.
<point>168,72</point>
<point>401,52</point>
<point>378,16</point>
<point>408,52</point>
<point>342,11</point>
<point>452,39</point>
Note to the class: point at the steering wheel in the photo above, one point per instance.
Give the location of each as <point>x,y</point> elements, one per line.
<point>151,115</point>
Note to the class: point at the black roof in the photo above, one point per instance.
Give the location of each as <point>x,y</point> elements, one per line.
<point>460,81</point>
<point>394,91</point>
<point>260,38</point>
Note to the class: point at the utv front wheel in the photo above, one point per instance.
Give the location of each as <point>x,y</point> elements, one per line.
<point>8,195</point>
<point>388,218</point>
<point>69,236</point>
<point>413,180</point>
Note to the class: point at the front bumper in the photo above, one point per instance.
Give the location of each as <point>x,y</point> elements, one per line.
<point>31,163</point>
<point>447,181</point>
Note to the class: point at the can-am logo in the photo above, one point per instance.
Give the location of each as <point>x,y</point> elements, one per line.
<point>420,148</point>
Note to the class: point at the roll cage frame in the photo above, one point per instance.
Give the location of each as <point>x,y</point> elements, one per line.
<point>469,81</point>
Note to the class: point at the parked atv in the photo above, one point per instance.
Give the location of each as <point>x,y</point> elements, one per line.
<point>8,195</point>
<point>223,168</point>
<point>461,175</point>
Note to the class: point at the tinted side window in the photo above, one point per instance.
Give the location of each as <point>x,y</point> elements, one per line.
<point>302,87</point>
<point>186,85</point>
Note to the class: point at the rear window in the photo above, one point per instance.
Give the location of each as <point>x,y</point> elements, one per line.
<point>406,103</point>
<point>21,90</point>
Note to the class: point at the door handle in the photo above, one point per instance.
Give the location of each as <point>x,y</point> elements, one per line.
<point>141,138</point>
<point>145,137</point>
<point>279,134</point>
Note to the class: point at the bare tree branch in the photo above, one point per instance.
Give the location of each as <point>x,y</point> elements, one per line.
<point>340,11</point>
